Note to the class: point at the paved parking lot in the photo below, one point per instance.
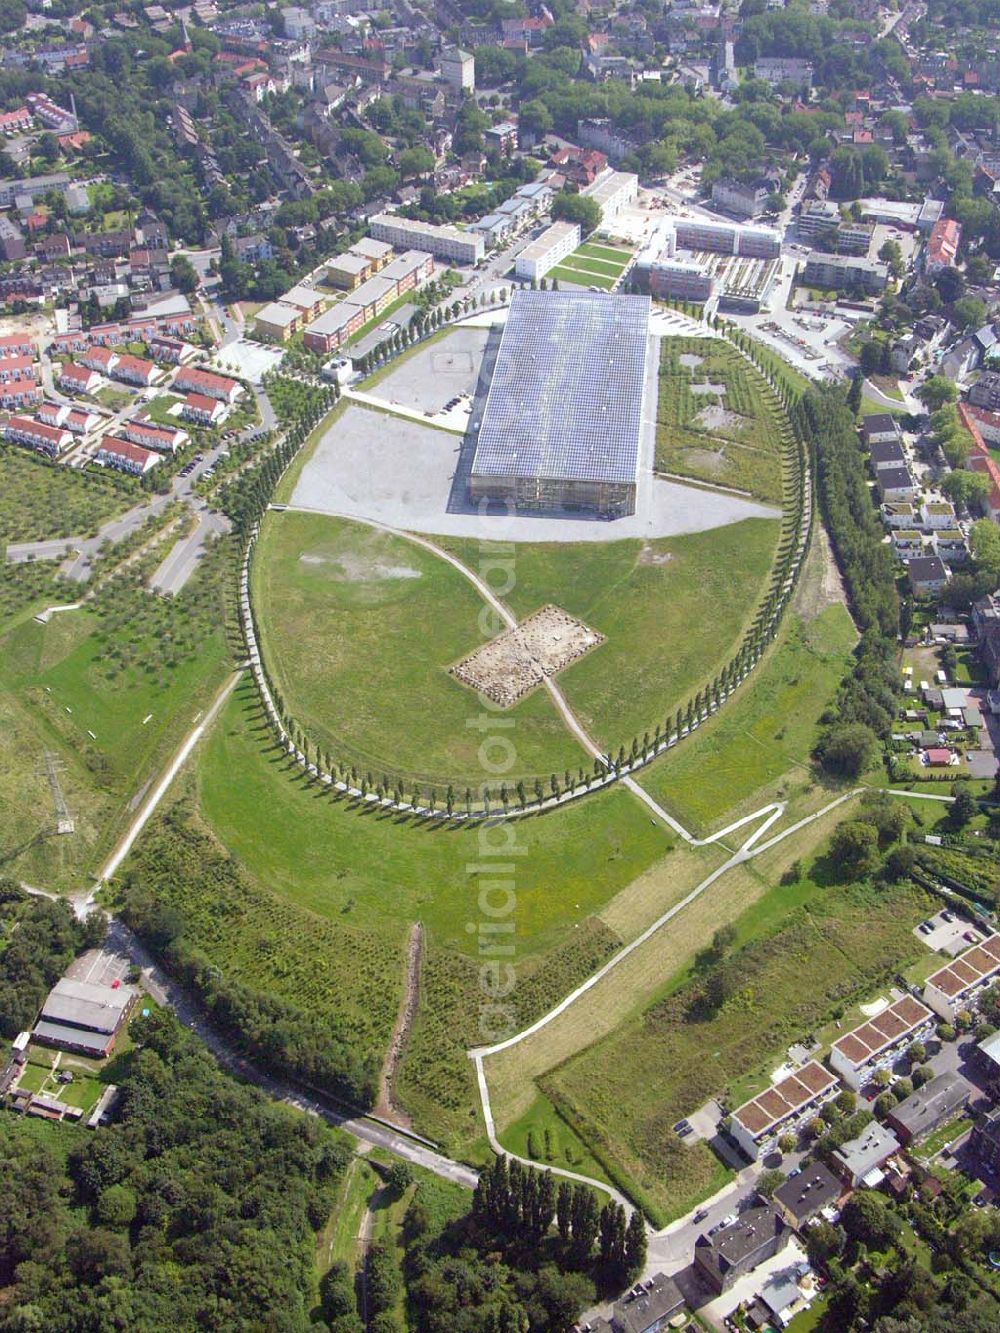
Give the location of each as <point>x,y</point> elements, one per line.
<point>950,937</point>
<point>435,374</point>
<point>100,967</point>
<point>399,472</point>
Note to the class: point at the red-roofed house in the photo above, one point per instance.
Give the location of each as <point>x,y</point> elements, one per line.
<point>190,380</point>
<point>173,350</point>
<point>80,421</point>
<point>78,379</point>
<point>15,344</point>
<point>13,122</point>
<point>958,984</point>
<point>16,368</point>
<point>135,370</point>
<point>879,1042</point>
<point>202,410</point>
<point>164,439</point>
<point>51,440</point>
<point>20,393</point>
<point>125,456</point>
<point>981,460</point>
<point>580,165</point>
<point>102,359</point>
<point>942,245</point>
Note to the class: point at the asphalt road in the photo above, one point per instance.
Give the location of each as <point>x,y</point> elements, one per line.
<point>166,992</point>
<point>182,560</point>
<point>19,552</point>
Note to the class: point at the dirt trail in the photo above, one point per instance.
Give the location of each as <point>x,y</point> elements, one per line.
<point>821,584</point>
<point>387,1107</point>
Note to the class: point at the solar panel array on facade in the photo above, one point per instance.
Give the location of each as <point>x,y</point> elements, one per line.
<point>564,410</point>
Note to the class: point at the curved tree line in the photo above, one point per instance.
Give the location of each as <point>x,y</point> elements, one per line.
<point>448,800</point>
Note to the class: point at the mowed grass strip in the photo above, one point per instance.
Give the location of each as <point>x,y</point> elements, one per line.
<point>850,940</point>
<point>673,610</point>
<point>359,628</point>
<point>770,726</point>
<point>565,274</point>
<point>589,264</point>
<point>382,871</point>
<point>598,250</point>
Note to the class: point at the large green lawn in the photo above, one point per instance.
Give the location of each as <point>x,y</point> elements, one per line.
<point>382,871</point>
<point>672,610</point>
<point>359,628</point>
<point>38,500</point>
<point>768,729</point>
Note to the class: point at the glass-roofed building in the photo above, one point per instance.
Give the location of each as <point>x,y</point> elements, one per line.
<point>563,416</point>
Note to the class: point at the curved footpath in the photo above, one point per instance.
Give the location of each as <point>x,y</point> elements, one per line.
<point>749,849</point>
<point>166,992</point>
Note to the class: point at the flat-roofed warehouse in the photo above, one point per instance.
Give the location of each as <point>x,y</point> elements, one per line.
<point>563,416</point>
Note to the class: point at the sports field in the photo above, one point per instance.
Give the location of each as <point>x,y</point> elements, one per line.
<point>359,628</point>
<point>593,264</point>
<point>717,419</point>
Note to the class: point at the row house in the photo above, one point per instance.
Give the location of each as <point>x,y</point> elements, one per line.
<point>881,1041</point>
<point>76,378</point>
<point>76,419</point>
<point>959,984</point>
<point>135,370</point>
<point>175,326</point>
<point>164,439</point>
<point>64,344</point>
<point>173,350</point>
<point>112,335</point>
<point>190,380</point>
<point>16,344</point>
<point>15,122</point>
<point>125,456</point>
<point>50,440</point>
<point>16,368</point>
<point>20,393</point>
<point>101,359</point>
<point>759,1123</point>
<point>202,410</point>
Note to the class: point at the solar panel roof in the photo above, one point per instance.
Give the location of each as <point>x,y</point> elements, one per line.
<point>565,400</point>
